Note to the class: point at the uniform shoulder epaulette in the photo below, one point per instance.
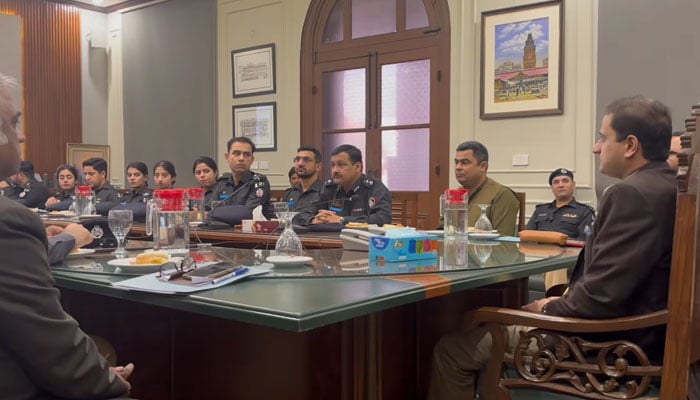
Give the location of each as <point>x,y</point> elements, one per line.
<point>224,177</point>
<point>368,183</point>
<point>543,204</point>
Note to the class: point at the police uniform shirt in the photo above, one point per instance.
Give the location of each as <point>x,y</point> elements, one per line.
<point>107,194</point>
<point>368,201</point>
<point>140,195</point>
<point>33,194</point>
<point>65,200</point>
<point>572,219</point>
<point>252,190</point>
<point>303,201</point>
<point>212,193</point>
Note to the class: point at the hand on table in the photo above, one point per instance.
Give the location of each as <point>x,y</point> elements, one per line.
<point>81,235</point>
<point>51,201</point>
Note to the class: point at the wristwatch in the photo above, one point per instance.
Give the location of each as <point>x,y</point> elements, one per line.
<point>342,220</point>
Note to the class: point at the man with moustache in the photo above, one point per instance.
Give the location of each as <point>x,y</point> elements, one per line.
<point>564,214</point>
<point>350,196</point>
<point>302,196</point>
<point>43,351</point>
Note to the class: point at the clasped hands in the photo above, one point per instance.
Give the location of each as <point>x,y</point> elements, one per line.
<point>326,217</point>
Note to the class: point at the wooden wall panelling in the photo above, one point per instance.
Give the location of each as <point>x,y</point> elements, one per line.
<point>51,81</point>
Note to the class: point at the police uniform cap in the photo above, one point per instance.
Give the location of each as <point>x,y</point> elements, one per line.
<point>560,172</point>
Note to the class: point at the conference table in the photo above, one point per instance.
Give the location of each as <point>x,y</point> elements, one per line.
<point>339,327</point>
<point>228,237</point>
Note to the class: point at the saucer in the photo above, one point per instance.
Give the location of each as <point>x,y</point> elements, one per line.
<point>483,235</point>
<point>80,252</point>
<point>126,265</point>
<point>288,261</point>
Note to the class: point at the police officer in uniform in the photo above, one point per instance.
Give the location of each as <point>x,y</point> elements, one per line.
<point>243,186</point>
<point>564,214</point>
<point>350,196</point>
<point>25,189</point>
<point>106,195</point>
<point>304,195</point>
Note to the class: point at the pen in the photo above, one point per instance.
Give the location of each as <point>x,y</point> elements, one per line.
<point>237,272</point>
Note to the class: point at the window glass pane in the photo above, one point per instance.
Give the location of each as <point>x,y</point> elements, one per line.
<point>373,17</point>
<point>405,159</point>
<point>334,25</point>
<point>406,93</point>
<point>333,140</point>
<point>344,99</point>
<point>416,17</point>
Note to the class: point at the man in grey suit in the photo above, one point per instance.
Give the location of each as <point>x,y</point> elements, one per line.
<point>624,268</point>
<point>43,352</point>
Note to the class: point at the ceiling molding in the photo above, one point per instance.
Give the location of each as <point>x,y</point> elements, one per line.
<point>106,10</point>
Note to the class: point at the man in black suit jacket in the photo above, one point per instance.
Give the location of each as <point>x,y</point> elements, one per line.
<point>624,268</point>
<point>43,352</point>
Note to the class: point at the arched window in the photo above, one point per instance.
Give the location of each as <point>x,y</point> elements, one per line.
<point>375,73</point>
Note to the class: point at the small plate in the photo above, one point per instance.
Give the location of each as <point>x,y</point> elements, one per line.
<point>483,235</point>
<point>81,252</point>
<point>288,261</point>
<point>194,224</point>
<point>125,264</point>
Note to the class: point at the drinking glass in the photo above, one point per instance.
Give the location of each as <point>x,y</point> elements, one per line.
<point>288,243</point>
<point>120,222</point>
<point>483,223</point>
<point>281,209</point>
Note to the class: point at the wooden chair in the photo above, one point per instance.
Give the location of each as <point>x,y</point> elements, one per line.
<point>521,212</point>
<point>404,208</point>
<point>577,368</point>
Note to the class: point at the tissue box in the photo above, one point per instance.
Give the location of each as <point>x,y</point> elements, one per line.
<point>403,267</point>
<point>265,226</point>
<point>392,249</point>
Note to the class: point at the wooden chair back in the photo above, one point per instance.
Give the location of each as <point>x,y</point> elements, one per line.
<point>404,208</point>
<point>521,211</point>
<point>574,375</point>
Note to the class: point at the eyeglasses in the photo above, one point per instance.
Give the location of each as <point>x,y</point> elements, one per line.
<point>172,270</point>
<point>305,159</point>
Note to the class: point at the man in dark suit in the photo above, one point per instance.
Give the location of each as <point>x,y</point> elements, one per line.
<point>43,352</point>
<point>624,268</point>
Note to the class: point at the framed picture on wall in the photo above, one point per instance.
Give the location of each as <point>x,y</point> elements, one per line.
<point>258,122</point>
<point>522,51</point>
<point>253,70</point>
<point>76,153</point>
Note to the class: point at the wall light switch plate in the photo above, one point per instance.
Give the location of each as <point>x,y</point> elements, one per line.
<point>264,165</point>
<point>254,165</point>
<point>520,159</point>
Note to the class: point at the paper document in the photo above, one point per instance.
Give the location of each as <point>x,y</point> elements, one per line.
<point>151,283</point>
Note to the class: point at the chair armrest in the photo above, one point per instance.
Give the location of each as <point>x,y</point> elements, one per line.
<point>508,316</point>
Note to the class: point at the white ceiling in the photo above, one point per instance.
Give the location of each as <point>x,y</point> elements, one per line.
<point>102,3</point>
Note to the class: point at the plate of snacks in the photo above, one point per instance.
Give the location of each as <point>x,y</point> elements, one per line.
<point>144,263</point>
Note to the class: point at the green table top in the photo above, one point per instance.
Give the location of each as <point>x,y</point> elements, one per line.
<point>338,285</point>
